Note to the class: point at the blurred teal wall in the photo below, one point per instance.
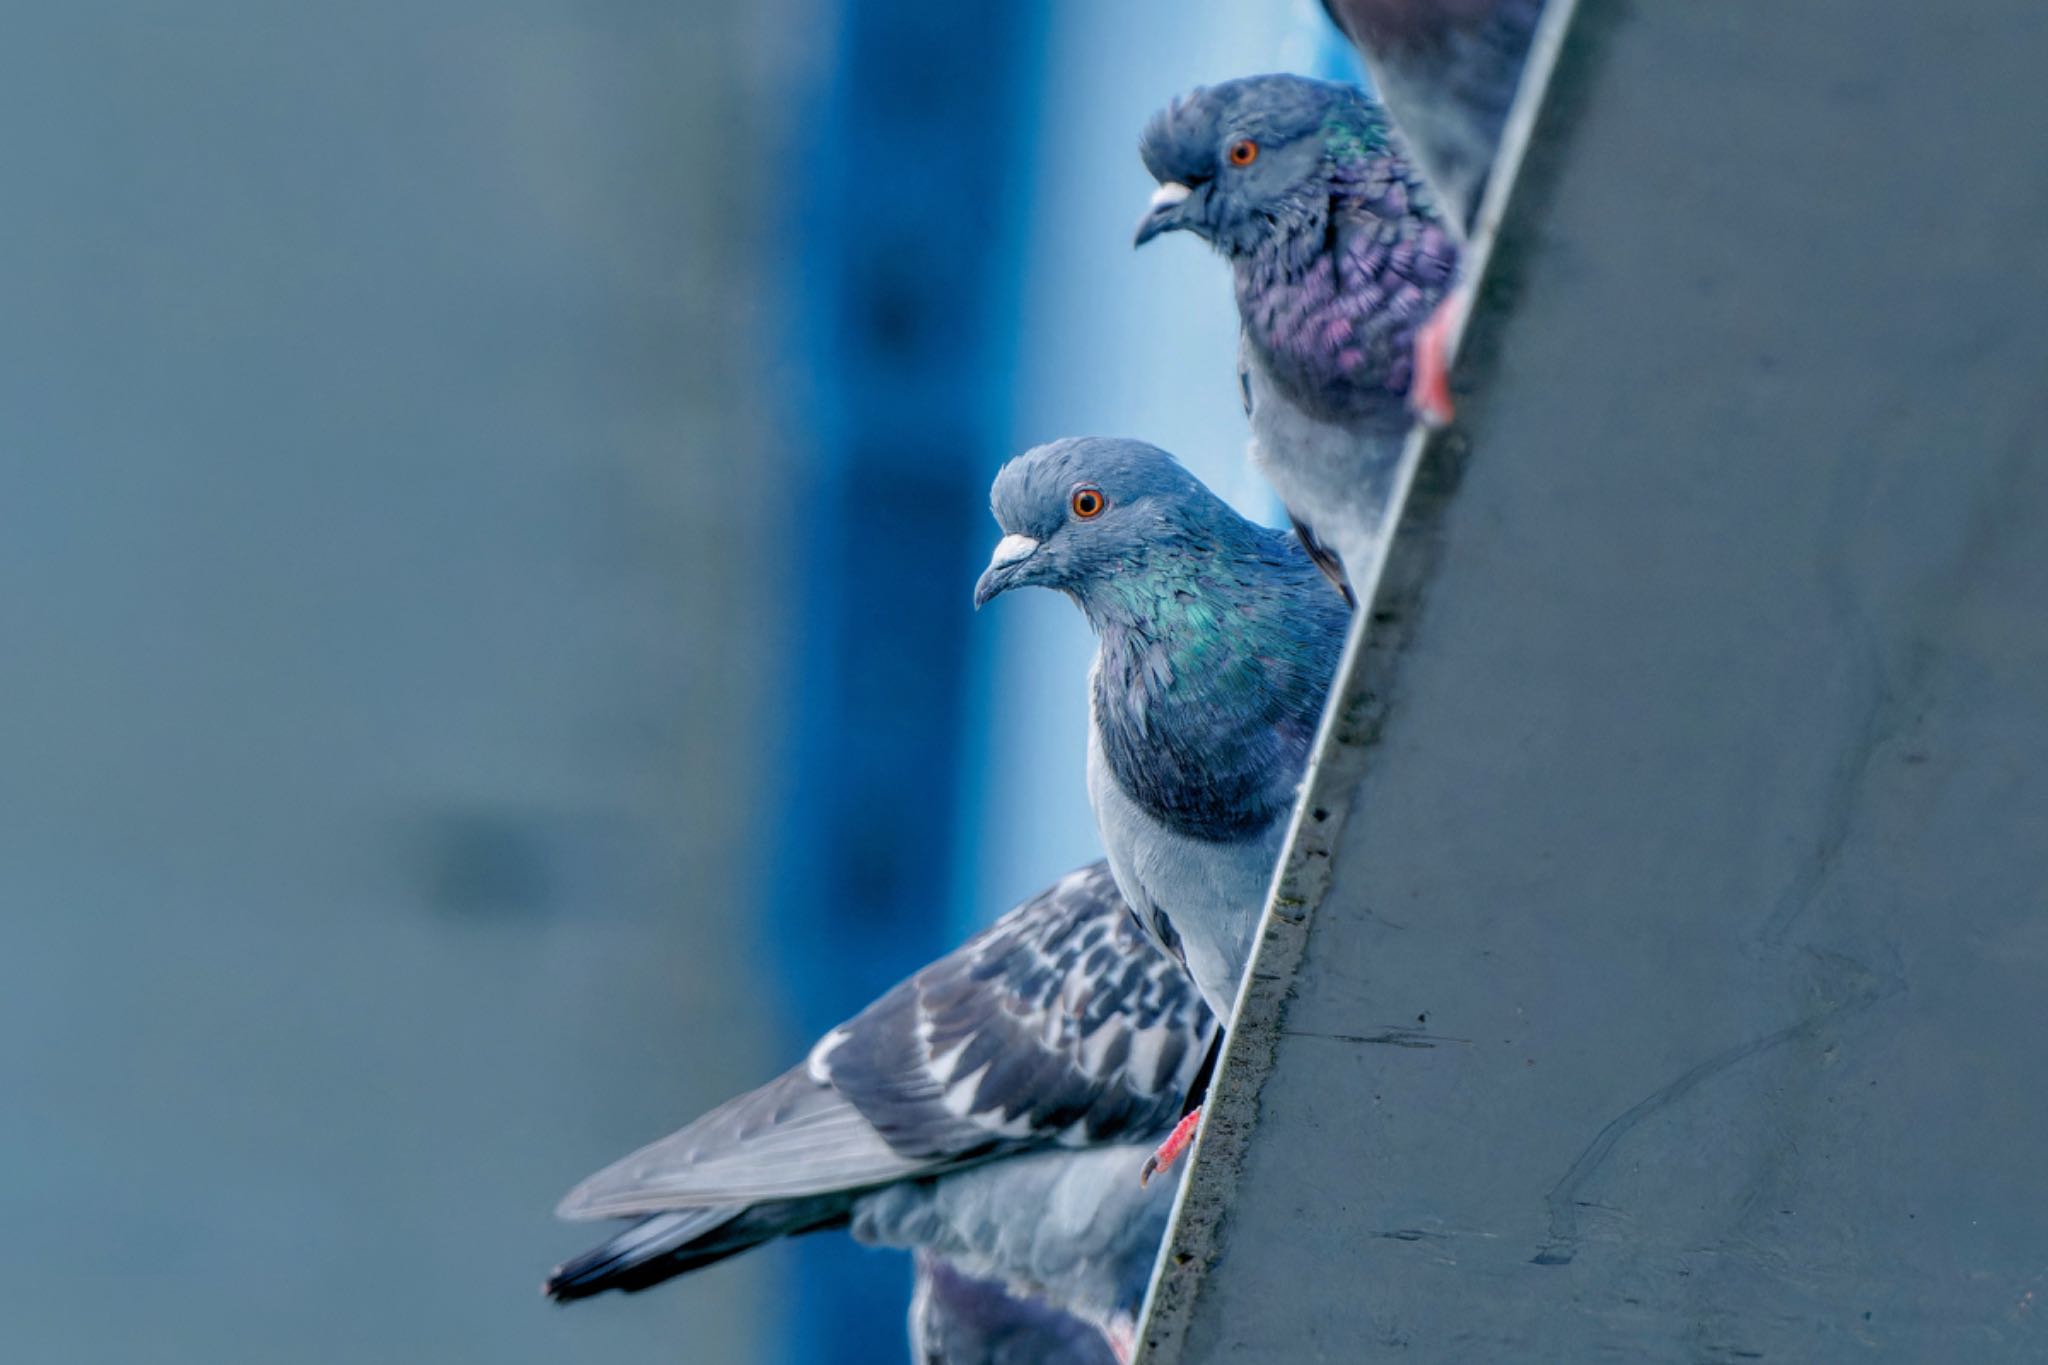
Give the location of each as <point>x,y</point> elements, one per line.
<point>388,628</point>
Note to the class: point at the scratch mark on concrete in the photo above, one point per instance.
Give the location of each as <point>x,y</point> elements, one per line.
<point>1393,1037</point>
<point>1564,1199</point>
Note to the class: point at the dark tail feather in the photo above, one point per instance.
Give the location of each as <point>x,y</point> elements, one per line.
<point>664,1245</point>
<point>644,1254</point>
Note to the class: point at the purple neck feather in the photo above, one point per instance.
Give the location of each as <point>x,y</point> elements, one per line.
<point>1332,301</point>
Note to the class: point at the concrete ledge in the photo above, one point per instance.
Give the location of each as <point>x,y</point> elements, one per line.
<point>1656,971</point>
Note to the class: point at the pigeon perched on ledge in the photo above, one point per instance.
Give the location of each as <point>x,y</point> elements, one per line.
<point>1345,269</point>
<point>945,1115</point>
<point>1217,642</point>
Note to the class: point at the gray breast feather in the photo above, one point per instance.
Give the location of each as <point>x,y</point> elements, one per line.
<point>956,1319</point>
<point>1334,477</point>
<point>1204,898</point>
<point>1073,1227</point>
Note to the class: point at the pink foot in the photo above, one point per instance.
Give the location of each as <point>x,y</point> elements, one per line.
<point>1430,392</point>
<point>1122,1334</point>
<point>1176,1142</point>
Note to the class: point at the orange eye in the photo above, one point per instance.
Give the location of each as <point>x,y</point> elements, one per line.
<point>1088,501</point>
<point>1243,152</point>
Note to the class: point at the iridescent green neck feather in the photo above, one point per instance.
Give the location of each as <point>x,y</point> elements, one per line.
<point>1210,681</point>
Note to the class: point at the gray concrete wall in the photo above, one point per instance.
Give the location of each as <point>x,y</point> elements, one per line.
<point>1677,992</point>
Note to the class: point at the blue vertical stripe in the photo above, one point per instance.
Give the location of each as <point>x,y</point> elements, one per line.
<point>905,297</point>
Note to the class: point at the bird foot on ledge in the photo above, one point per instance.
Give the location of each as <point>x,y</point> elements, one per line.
<point>1430,393</point>
<point>1176,1142</point>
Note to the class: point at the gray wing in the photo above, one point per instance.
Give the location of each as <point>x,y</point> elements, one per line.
<point>1059,1024</point>
<point>791,1138</point>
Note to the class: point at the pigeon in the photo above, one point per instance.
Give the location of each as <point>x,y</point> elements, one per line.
<point>1447,71</point>
<point>1346,271</point>
<point>1073,1229</point>
<point>1217,643</point>
<point>939,1112</point>
<point>955,1318</point>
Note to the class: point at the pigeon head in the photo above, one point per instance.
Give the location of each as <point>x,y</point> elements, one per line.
<point>1242,161</point>
<point>1076,513</point>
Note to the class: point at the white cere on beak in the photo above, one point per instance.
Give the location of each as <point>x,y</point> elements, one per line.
<point>1169,194</point>
<point>1010,549</point>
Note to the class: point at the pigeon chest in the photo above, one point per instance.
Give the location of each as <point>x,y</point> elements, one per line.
<point>1336,329</point>
<point>1197,898</point>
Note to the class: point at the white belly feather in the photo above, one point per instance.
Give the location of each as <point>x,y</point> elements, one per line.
<point>1211,893</point>
<point>1335,478</point>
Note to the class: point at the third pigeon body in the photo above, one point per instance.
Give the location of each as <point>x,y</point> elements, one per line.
<point>992,1112</point>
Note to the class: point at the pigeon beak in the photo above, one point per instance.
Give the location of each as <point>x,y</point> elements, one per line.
<point>1003,567</point>
<point>1165,212</point>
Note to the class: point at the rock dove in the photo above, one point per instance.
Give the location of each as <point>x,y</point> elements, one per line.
<point>1447,72</point>
<point>955,1318</point>
<point>941,1110</point>
<point>1217,642</point>
<point>1072,1229</point>
<point>1344,268</point>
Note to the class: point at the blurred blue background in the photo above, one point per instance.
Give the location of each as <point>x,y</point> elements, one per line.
<point>489,495</point>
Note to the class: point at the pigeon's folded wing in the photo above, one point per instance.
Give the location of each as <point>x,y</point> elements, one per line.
<point>1059,1024</point>
<point>792,1137</point>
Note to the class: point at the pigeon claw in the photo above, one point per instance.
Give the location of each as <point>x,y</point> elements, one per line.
<point>1176,1142</point>
<point>1122,1334</point>
<point>1430,393</point>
